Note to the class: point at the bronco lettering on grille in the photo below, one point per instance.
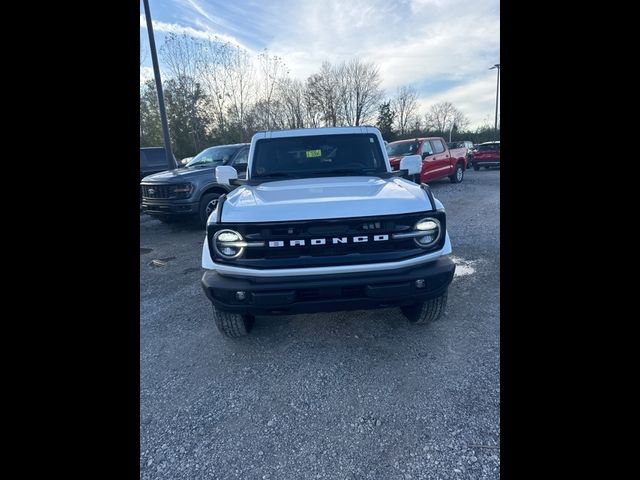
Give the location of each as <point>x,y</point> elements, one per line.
<point>334,240</point>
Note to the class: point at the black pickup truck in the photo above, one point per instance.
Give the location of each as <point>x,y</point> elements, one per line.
<point>192,190</point>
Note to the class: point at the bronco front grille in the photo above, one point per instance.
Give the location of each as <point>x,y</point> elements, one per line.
<point>322,242</point>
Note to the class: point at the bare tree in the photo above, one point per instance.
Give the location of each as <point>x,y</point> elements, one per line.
<point>216,64</point>
<point>359,87</point>
<point>324,95</point>
<point>443,115</point>
<point>242,87</point>
<point>272,69</point>
<point>405,104</point>
<point>181,57</point>
<point>291,95</point>
<point>313,114</point>
<point>415,127</point>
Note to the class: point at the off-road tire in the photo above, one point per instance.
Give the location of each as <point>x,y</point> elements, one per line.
<point>233,325</point>
<point>425,312</point>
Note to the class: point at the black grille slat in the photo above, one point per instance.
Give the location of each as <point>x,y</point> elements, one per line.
<point>159,191</point>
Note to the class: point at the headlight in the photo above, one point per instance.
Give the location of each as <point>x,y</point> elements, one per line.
<point>431,229</point>
<point>228,244</point>
<point>183,190</point>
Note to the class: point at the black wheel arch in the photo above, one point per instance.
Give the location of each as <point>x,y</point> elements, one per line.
<point>213,188</point>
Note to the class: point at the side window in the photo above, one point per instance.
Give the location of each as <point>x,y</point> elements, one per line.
<point>240,163</point>
<point>426,148</point>
<point>242,158</point>
<point>437,145</point>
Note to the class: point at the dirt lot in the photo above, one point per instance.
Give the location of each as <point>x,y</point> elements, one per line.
<point>348,395</point>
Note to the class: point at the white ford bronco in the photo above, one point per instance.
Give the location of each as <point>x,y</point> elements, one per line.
<point>322,223</point>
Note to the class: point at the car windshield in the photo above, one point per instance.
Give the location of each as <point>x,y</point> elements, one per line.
<point>318,155</point>
<point>489,146</point>
<point>402,148</point>
<point>214,156</point>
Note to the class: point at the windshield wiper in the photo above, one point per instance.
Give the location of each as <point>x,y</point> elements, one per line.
<point>271,175</point>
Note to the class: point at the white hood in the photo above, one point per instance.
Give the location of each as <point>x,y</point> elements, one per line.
<point>323,198</point>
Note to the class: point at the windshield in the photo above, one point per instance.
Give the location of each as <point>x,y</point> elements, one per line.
<point>402,148</point>
<point>214,156</point>
<point>489,146</point>
<point>318,155</point>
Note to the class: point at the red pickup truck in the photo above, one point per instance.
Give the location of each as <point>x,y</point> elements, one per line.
<point>438,161</point>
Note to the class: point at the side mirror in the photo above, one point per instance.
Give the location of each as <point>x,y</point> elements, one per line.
<point>426,154</point>
<point>412,163</point>
<point>225,173</point>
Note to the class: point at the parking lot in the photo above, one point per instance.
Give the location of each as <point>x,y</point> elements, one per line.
<point>346,395</point>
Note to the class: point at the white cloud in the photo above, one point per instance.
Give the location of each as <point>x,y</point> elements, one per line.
<point>443,47</point>
<point>419,42</point>
<point>476,98</point>
<point>146,73</point>
<point>192,32</point>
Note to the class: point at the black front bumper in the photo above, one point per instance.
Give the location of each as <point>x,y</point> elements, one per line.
<point>291,295</point>
<point>169,207</point>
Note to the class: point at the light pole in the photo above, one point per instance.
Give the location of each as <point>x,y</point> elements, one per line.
<point>497,65</point>
<point>156,73</point>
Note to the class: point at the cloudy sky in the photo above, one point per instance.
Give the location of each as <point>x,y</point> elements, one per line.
<point>442,47</point>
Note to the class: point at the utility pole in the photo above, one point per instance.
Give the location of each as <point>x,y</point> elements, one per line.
<point>497,65</point>
<point>156,73</point>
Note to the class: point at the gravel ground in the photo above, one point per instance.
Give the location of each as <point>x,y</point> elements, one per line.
<point>348,395</point>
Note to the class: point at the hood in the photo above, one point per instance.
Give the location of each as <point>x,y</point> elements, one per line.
<point>323,198</point>
<point>179,175</point>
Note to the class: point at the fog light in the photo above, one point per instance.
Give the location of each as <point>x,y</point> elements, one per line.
<point>420,283</point>
<point>425,240</point>
<point>240,295</point>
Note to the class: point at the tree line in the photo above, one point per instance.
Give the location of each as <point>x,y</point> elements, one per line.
<point>216,93</point>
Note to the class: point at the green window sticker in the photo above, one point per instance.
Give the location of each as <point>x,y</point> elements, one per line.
<point>314,153</point>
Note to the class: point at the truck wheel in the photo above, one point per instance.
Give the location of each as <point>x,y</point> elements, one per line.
<point>458,175</point>
<point>425,312</point>
<point>476,167</point>
<point>208,204</point>
<point>232,325</point>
